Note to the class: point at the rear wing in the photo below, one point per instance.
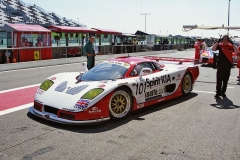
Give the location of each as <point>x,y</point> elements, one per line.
<point>170,59</point>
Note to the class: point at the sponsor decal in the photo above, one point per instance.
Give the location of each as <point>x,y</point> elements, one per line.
<point>141,105</point>
<point>160,100</point>
<point>179,77</point>
<point>153,93</point>
<point>38,101</point>
<point>53,78</point>
<point>121,84</point>
<point>127,64</point>
<point>66,109</point>
<point>94,110</point>
<point>148,84</point>
<point>40,91</point>
<point>82,104</point>
<point>103,81</point>
<point>102,86</point>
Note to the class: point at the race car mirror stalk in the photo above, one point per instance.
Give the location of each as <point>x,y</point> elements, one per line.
<point>144,71</point>
<point>78,78</point>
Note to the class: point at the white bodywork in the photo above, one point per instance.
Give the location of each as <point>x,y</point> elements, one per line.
<point>65,92</point>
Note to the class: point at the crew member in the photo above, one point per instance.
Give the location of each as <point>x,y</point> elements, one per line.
<point>89,51</point>
<point>224,65</point>
<point>238,64</point>
<point>197,46</point>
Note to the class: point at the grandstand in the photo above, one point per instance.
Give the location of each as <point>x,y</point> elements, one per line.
<point>16,11</point>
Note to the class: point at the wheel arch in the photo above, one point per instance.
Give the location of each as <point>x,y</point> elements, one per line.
<point>129,91</point>
<point>127,88</point>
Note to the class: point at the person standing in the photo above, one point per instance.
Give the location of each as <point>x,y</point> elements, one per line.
<point>224,63</point>
<point>238,64</point>
<point>197,46</point>
<point>89,51</point>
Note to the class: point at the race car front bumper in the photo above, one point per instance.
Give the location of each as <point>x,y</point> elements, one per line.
<point>54,118</point>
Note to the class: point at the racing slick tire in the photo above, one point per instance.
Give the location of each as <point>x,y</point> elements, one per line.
<point>186,84</point>
<point>120,104</point>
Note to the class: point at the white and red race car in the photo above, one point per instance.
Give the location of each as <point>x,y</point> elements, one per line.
<point>113,89</point>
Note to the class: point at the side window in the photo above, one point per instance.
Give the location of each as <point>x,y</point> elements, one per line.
<point>158,66</point>
<point>149,65</point>
<point>136,70</point>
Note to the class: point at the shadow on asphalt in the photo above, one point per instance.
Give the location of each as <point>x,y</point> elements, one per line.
<point>109,125</point>
<point>207,66</point>
<point>210,66</point>
<point>224,103</point>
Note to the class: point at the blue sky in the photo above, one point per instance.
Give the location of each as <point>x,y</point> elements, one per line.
<point>167,16</point>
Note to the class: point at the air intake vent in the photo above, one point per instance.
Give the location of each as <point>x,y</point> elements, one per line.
<point>76,90</point>
<point>61,87</point>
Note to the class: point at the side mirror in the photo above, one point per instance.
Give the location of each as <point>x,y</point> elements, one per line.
<point>145,71</point>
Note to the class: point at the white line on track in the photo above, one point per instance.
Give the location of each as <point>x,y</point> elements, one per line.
<point>209,92</point>
<point>14,89</point>
<point>230,87</point>
<point>15,109</point>
<point>57,65</point>
<point>233,77</point>
<point>204,92</point>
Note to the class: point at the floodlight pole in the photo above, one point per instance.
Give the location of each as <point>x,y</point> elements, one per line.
<point>78,21</point>
<point>228,12</point>
<point>145,18</point>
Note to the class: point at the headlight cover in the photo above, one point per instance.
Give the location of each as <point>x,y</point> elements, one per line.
<point>92,93</point>
<point>46,85</point>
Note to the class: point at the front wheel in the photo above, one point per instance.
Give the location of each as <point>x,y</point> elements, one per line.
<point>186,84</point>
<point>120,104</point>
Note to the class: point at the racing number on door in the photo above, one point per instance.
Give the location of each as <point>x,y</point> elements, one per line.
<point>153,83</point>
<point>140,88</point>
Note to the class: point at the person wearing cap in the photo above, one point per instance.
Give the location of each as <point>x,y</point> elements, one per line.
<point>224,63</point>
<point>89,51</point>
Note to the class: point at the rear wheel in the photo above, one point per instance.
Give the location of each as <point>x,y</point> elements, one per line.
<point>186,84</point>
<point>120,104</point>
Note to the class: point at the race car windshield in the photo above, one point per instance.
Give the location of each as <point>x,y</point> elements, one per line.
<point>105,71</point>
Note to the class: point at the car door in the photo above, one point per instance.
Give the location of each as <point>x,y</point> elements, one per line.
<point>147,86</point>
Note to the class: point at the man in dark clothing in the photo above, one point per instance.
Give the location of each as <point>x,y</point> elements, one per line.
<point>224,63</point>
<point>89,51</point>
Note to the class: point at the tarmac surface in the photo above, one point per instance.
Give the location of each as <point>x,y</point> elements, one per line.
<point>196,127</point>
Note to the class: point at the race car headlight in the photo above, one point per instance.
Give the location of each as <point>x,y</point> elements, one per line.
<point>204,54</point>
<point>46,84</point>
<point>92,93</point>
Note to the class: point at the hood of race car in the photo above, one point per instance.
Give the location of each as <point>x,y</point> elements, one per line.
<point>62,92</point>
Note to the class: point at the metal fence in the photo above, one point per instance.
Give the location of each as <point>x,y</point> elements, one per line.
<point>9,55</point>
